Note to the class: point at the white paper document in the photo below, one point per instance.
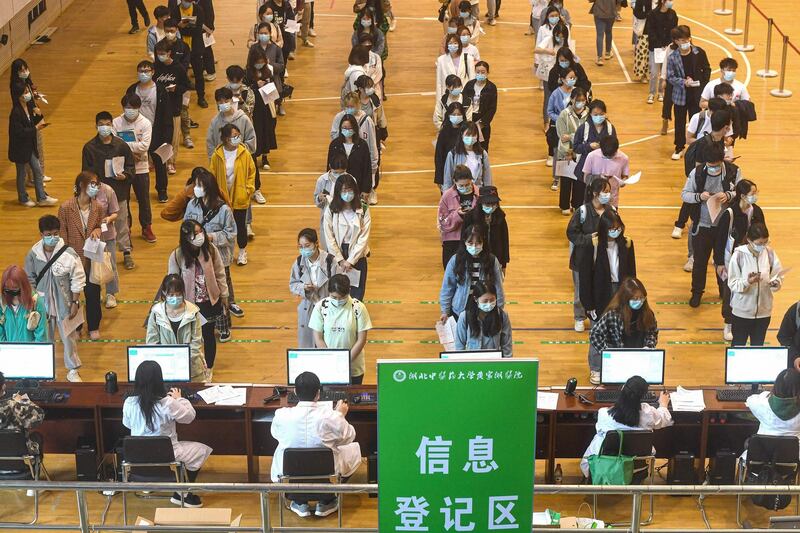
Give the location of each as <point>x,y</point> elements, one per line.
<point>114,166</point>
<point>447,334</point>
<point>546,401</point>
<point>208,40</point>
<point>687,400</point>
<point>269,93</point>
<point>659,55</point>
<point>240,398</point>
<point>223,395</point>
<point>566,169</point>
<point>633,179</point>
<point>71,324</point>
<point>164,151</point>
<point>93,250</point>
<point>780,274</point>
<point>292,26</point>
<point>355,277</point>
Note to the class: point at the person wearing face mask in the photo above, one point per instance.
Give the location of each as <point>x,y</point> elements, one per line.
<point>453,94</point>
<point>358,58</point>
<point>367,128</point>
<point>732,229</point>
<point>308,279</point>
<point>481,96</point>
<point>628,322</point>
<point>107,200</point>
<point>171,74</point>
<point>243,96</point>
<point>193,25</point>
<point>374,67</point>
<point>56,274</point>
<point>23,148</point>
<point>342,321</point>
<point>235,171</point>
<point>199,264</point>
<point>209,208</point>
<point>323,191</point>
<point>546,46</point>
<point>20,74</point>
<point>271,51</point>
<point>370,103</point>
<point>451,28</point>
<point>581,232</point>
<point>455,205</point>
<point>23,315</point>
<point>351,144</point>
<point>472,263</point>
<point>658,27</point>
<point>347,223</point>
<point>565,59</point>
<point>727,74</point>
<point>229,115</point>
<point>491,219</point>
<point>605,13</point>
<point>572,191</point>
<point>449,135</point>
<point>265,14</point>
<point>713,182</point>
<point>265,115</point>
<point>612,260</point>
<point>455,61</point>
<point>562,11</point>
<point>468,151</point>
<point>467,47</point>
<point>81,217</point>
<point>588,135</point>
<point>156,32</point>
<point>366,25</point>
<point>173,320</point>
<point>609,162</point>
<point>754,273</point>
<point>558,101</point>
<point>483,325</point>
<point>470,19</point>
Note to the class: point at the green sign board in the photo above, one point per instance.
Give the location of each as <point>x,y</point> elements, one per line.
<point>456,445</point>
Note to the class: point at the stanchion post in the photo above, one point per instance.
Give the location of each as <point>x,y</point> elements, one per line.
<point>745,47</point>
<point>733,30</point>
<point>782,91</point>
<point>722,10</point>
<point>766,72</point>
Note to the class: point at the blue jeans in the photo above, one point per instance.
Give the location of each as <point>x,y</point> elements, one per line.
<point>603,27</point>
<point>36,169</point>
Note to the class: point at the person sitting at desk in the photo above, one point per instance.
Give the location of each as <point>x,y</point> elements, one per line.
<point>173,320</point>
<point>483,325</point>
<point>314,425</point>
<point>23,316</point>
<point>627,414</point>
<point>778,410</point>
<point>149,412</point>
<point>18,413</point>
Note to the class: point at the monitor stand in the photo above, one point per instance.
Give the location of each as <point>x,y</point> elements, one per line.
<point>755,388</point>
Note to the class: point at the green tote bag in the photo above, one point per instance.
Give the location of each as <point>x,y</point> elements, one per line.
<point>611,469</point>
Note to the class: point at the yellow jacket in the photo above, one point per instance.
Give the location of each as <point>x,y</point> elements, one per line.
<point>244,171</point>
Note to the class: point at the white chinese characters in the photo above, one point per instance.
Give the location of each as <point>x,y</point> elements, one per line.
<point>481,456</point>
<point>434,455</point>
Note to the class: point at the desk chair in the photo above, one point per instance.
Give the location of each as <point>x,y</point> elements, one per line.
<point>149,460</point>
<point>308,465</point>
<point>639,445</point>
<point>763,451</point>
<point>17,463</point>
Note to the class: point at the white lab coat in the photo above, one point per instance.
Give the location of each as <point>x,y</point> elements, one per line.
<point>445,67</point>
<point>769,423</point>
<point>314,425</point>
<point>649,418</point>
<point>167,412</point>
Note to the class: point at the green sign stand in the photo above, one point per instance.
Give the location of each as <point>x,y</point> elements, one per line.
<point>456,445</point>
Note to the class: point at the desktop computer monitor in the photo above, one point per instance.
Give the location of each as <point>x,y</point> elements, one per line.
<point>172,358</point>
<point>332,366</point>
<point>28,360</point>
<point>472,354</point>
<point>619,364</point>
<point>754,365</point>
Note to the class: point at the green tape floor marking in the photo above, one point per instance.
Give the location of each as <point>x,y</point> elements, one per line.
<point>429,342</point>
<point>564,342</point>
<point>384,301</point>
<point>430,302</point>
<point>261,301</point>
<point>687,303</point>
<point>127,341</point>
<point>375,341</point>
<point>552,302</point>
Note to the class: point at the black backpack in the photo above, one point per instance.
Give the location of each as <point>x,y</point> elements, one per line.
<point>771,474</point>
<point>328,263</point>
<point>690,157</point>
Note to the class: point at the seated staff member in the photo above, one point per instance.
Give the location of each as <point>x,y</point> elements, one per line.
<point>173,320</point>
<point>732,227</point>
<point>308,279</point>
<point>149,412</point>
<point>18,413</point>
<point>778,410</point>
<point>754,273</point>
<point>629,413</point>
<point>449,136</point>
<point>472,263</point>
<point>789,333</point>
<point>455,204</point>
<point>347,224</point>
<point>628,322</point>
<point>481,96</point>
<point>341,321</point>
<point>314,425</point>
<point>483,325</point>
<point>612,260</point>
<point>23,315</point>
<point>492,221</point>
<point>468,151</point>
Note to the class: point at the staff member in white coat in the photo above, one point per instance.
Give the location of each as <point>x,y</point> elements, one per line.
<point>149,412</point>
<point>754,273</point>
<point>778,410</point>
<point>314,425</point>
<point>347,226</point>
<point>454,61</point>
<point>309,280</point>
<point>629,413</point>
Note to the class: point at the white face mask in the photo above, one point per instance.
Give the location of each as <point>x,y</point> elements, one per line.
<point>199,192</point>
<point>198,240</point>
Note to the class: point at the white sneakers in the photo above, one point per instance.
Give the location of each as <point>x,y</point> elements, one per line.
<point>676,155</point>
<point>47,202</point>
<point>250,233</point>
<point>73,376</point>
<point>258,196</point>
<point>677,232</point>
<point>651,98</point>
<point>373,197</point>
<point>242,259</point>
<point>549,161</point>
<point>727,332</point>
<point>580,325</point>
<point>689,264</point>
<point>594,377</point>
<point>111,301</point>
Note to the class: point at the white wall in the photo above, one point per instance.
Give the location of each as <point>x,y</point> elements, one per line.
<point>14,23</point>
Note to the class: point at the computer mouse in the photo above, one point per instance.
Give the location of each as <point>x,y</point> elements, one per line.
<point>356,398</point>
<point>59,397</point>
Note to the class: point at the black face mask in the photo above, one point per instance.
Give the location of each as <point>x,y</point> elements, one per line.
<point>12,292</point>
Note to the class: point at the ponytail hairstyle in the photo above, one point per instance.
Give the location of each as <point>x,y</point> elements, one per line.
<point>627,408</point>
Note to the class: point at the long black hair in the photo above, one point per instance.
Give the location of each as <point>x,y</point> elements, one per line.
<point>464,258</point>
<point>356,135</point>
<point>337,204</point>
<point>172,283</point>
<point>149,387</point>
<point>492,322</point>
<point>204,178</point>
<point>627,408</point>
<point>608,220</point>
<point>472,128</point>
<point>190,251</point>
<point>446,125</point>
<point>17,65</point>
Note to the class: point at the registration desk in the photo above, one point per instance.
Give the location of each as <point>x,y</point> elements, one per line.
<point>90,412</point>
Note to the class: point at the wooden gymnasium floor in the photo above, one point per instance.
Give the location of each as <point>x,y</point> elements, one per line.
<point>92,59</point>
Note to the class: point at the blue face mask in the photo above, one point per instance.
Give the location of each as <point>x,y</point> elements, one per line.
<point>104,131</point>
<point>758,248</point>
<point>451,30</point>
<point>455,92</point>
<point>598,119</point>
<point>144,77</point>
<point>488,209</point>
<point>752,198</point>
<point>464,39</point>
<point>347,196</point>
<point>713,170</point>
<point>468,140</point>
<point>264,37</point>
<point>236,140</point>
<point>466,189</point>
<point>92,191</point>
<point>553,20</point>
<point>174,301</point>
<point>570,82</point>
<point>474,250</point>
<point>50,240</point>
<point>614,233</point>
<point>452,48</point>
<point>350,110</point>
<point>480,77</point>
<point>563,64</point>
<point>559,40</point>
<point>579,104</point>
<point>307,252</point>
<point>668,4</point>
<point>729,75</point>
<point>463,14</point>
<point>455,120</point>
<point>337,303</point>
<point>604,197</point>
<point>636,304</point>
<point>347,132</point>
<point>486,307</point>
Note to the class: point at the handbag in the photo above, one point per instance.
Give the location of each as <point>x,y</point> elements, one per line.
<point>611,469</point>
<point>103,272</point>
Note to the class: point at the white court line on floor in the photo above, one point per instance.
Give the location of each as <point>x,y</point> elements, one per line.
<point>545,207</point>
<point>620,61</point>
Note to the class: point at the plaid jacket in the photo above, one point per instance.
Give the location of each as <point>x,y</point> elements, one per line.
<point>676,75</point>
<point>609,330</point>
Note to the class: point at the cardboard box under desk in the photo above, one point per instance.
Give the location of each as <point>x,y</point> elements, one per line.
<point>175,516</point>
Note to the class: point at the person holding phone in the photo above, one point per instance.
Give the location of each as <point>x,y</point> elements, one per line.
<point>454,206</point>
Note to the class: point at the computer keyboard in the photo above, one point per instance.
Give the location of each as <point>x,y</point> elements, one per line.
<point>44,395</point>
<point>611,396</point>
<point>189,394</point>
<point>733,395</point>
<point>324,396</point>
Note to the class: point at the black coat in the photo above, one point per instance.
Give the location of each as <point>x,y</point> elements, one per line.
<point>359,162</point>
<point>594,273</point>
<point>22,135</point>
<point>488,101</point>
<point>789,334</point>
<point>163,127</point>
<point>195,31</point>
<point>738,229</point>
<point>556,73</point>
<point>495,233</point>
<point>445,142</point>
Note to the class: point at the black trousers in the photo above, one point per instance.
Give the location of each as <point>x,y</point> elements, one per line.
<point>133,6</point>
<point>571,193</point>
<point>198,63</point>
<point>487,135</point>
<point>683,215</point>
<point>162,179</point>
<point>552,139</point>
<point>210,313</point>
<point>141,188</point>
<point>753,328</point>
<point>449,249</point>
<point>703,244</point>
<point>682,113</point>
<point>727,310</point>
<point>208,60</point>
<point>311,22</point>
<point>258,174</point>
<point>94,311</point>
<point>240,217</point>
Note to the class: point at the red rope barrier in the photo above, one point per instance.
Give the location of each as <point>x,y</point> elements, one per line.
<point>774,25</point>
<point>794,47</point>
<point>759,11</point>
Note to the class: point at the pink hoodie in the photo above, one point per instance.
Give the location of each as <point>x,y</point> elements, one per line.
<point>449,220</point>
